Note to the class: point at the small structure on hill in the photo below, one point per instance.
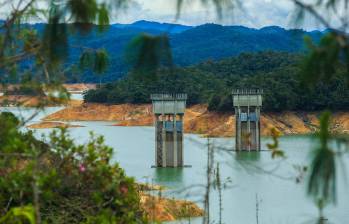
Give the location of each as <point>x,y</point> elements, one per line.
<point>247,104</point>
<point>169,111</point>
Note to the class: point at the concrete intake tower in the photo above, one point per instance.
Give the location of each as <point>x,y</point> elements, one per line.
<point>247,104</point>
<point>169,111</point>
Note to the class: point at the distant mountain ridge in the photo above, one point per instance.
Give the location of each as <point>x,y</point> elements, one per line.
<point>214,42</point>
<point>190,45</point>
<point>150,25</point>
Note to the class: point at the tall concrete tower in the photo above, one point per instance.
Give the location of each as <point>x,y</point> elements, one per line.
<point>247,104</point>
<point>169,111</point>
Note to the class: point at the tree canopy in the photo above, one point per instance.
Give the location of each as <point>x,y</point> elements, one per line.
<point>278,74</point>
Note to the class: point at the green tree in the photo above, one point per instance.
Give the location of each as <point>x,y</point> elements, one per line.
<point>77,182</point>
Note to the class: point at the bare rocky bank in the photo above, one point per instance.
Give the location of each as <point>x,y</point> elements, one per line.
<point>52,124</point>
<point>161,209</point>
<point>199,120</point>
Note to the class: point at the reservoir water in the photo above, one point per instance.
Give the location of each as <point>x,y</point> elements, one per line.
<point>250,177</point>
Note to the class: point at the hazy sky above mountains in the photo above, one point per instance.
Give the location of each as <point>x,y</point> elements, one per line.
<point>252,13</point>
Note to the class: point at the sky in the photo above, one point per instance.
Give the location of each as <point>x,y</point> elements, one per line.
<point>251,13</point>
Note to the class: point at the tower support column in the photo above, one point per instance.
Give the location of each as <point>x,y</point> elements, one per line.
<point>175,141</point>
<point>163,143</point>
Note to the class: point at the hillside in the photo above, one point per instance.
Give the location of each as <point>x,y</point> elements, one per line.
<point>211,83</point>
<point>211,41</point>
<point>190,45</point>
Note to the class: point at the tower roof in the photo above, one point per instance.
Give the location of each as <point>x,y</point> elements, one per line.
<point>168,96</point>
<point>165,103</point>
<point>247,92</point>
<point>247,97</point>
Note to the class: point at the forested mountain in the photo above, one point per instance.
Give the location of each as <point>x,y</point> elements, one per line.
<point>148,25</point>
<point>212,82</point>
<point>190,45</point>
<point>212,41</point>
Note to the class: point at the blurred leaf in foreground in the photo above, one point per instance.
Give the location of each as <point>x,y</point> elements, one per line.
<point>322,180</point>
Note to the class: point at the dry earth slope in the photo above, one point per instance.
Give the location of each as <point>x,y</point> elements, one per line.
<point>199,120</point>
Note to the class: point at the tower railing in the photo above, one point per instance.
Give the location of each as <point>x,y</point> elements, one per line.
<point>169,96</point>
<point>247,92</point>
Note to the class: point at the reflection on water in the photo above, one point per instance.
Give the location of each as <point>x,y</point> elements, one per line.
<point>248,156</point>
<point>163,176</point>
<point>250,173</point>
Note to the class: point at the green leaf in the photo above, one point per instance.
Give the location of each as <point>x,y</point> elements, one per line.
<point>101,61</point>
<point>26,213</point>
<point>147,53</point>
<point>83,13</point>
<point>103,18</point>
<point>55,38</point>
<point>86,59</point>
<point>322,61</point>
<point>322,180</point>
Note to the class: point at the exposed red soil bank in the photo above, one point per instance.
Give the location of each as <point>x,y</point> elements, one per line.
<point>200,121</point>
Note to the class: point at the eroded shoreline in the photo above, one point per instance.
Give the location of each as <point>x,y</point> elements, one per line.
<point>198,120</point>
